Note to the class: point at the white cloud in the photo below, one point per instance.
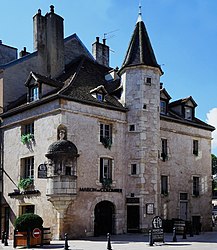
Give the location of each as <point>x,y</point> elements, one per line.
<point>212,120</point>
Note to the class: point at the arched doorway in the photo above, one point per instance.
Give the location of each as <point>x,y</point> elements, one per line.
<point>104,218</point>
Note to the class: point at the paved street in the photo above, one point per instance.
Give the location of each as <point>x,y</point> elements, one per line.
<point>134,242</point>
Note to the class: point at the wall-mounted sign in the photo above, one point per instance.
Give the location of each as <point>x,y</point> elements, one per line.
<point>42,171</point>
<point>111,190</point>
<point>132,200</point>
<point>150,208</point>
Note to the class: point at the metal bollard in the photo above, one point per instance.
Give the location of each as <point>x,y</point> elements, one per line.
<point>3,237</point>
<point>66,247</point>
<point>174,235</point>
<point>184,234</point>
<point>150,238</point>
<point>6,239</point>
<point>109,247</point>
<point>191,231</point>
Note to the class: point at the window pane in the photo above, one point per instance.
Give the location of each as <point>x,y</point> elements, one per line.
<point>196,186</point>
<point>195,147</point>
<point>163,107</point>
<point>188,113</point>
<point>29,128</point>
<point>164,184</point>
<point>29,167</point>
<point>34,93</point>
<point>133,169</point>
<point>105,131</point>
<point>105,169</point>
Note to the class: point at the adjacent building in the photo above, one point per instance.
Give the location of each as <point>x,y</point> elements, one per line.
<point>92,149</point>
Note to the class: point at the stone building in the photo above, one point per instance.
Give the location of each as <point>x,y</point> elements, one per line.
<point>92,149</point>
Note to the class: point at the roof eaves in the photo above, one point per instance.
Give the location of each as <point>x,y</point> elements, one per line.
<point>201,125</point>
<point>19,60</point>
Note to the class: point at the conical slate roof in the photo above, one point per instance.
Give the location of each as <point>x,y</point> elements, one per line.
<point>140,51</point>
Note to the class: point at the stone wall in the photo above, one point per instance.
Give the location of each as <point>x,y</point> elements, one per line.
<point>181,166</point>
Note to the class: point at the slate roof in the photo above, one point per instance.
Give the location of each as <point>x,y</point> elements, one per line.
<point>183,101</point>
<point>86,75</point>
<point>80,77</point>
<point>140,51</point>
<point>172,116</point>
<point>43,79</point>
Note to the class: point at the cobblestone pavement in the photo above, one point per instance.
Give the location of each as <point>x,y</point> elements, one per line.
<point>204,241</point>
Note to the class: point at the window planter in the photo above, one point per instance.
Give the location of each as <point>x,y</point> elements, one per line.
<point>27,138</point>
<point>26,184</point>
<point>107,142</point>
<point>25,226</point>
<point>107,182</point>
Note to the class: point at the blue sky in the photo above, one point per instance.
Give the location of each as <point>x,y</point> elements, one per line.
<point>183,35</point>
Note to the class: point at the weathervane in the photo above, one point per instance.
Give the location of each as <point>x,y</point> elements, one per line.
<point>140,12</point>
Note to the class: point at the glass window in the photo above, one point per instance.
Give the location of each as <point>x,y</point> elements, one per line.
<point>188,113</point>
<point>105,170</point>
<point>28,167</point>
<point>33,93</point>
<point>105,131</point>
<point>132,127</point>
<point>27,209</point>
<point>183,196</point>
<point>99,97</point>
<point>148,80</point>
<point>133,169</point>
<point>196,186</point>
<point>163,107</point>
<point>164,149</point>
<point>195,147</point>
<point>164,184</point>
<point>29,128</point>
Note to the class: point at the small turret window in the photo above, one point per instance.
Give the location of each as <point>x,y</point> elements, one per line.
<point>148,80</point>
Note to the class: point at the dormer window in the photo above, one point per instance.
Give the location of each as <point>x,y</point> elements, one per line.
<point>99,93</point>
<point>33,93</point>
<point>163,107</point>
<point>188,113</point>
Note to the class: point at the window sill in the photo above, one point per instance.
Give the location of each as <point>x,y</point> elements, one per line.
<point>195,196</point>
<point>27,192</point>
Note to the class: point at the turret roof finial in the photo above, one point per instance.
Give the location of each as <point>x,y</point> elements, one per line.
<point>140,13</point>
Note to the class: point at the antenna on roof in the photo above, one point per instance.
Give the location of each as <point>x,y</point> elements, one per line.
<point>105,35</point>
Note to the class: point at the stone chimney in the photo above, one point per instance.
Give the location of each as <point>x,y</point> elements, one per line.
<point>23,52</point>
<point>49,42</point>
<point>100,52</point>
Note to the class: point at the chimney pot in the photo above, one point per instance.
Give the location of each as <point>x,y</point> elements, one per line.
<point>52,9</point>
<point>97,39</point>
<point>39,11</point>
<point>104,40</point>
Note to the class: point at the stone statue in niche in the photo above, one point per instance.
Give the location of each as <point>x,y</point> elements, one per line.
<point>61,132</point>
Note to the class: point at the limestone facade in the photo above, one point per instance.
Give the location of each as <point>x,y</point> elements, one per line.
<point>108,150</point>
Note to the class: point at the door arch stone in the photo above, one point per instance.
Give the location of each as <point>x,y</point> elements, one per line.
<point>104,218</point>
